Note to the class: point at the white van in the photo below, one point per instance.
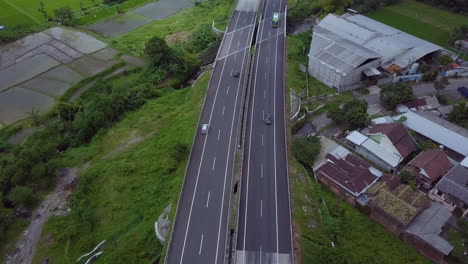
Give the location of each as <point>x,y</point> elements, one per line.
<point>204,129</point>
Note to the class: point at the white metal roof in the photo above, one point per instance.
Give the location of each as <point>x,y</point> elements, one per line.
<point>392,45</point>
<point>437,132</point>
<point>356,137</point>
<point>383,153</point>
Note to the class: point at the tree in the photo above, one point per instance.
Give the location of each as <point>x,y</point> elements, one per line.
<point>336,113</point>
<point>439,85</point>
<point>159,52</point>
<point>21,196</point>
<point>459,113</point>
<point>395,93</point>
<point>407,178</point>
<point>64,15</point>
<point>306,149</point>
<point>67,111</point>
<point>356,113</point>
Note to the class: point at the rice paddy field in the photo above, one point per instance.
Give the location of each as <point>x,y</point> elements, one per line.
<point>421,20</point>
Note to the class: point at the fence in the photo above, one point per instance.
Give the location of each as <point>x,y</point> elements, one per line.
<point>404,78</point>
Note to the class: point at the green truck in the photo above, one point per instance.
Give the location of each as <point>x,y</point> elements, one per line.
<point>275,21</point>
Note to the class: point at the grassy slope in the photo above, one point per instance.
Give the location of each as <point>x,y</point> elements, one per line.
<point>296,78</point>
<point>186,20</point>
<point>359,240</point>
<point>420,20</point>
<point>129,189</point>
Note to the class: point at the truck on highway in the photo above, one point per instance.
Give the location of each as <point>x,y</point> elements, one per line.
<point>275,21</point>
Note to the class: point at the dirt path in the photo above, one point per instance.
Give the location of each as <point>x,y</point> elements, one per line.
<point>26,245</point>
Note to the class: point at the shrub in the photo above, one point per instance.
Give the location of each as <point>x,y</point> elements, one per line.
<point>306,149</point>
<point>445,59</point>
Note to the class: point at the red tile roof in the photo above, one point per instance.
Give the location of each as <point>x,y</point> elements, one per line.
<point>398,135</point>
<point>351,173</point>
<point>418,102</point>
<point>433,161</point>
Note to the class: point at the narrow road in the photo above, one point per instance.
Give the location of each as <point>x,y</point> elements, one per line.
<point>199,232</point>
<point>264,231</point>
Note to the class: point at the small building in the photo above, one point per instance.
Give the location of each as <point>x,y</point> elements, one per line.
<point>376,148</point>
<point>452,190</point>
<point>429,166</point>
<point>346,175</point>
<point>396,136</point>
<point>350,48</point>
<point>393,204</point>
<point>424,233</point>
<point>423,103</point>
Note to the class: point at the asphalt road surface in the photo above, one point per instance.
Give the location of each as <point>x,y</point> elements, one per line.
<point>264,227</point>
<point>199,233</point>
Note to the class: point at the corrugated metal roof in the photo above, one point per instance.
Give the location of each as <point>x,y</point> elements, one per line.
<point>428,225</point>
<point>340,54</point>
<point>393,46</point>
<point>436,132</point>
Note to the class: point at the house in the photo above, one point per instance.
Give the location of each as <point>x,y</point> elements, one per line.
<point>350,48</point>
<point>424,233</point>
<point>394,135</point>
<point>429,166</point>
<point>423,103</point>
<point>452,190</point>
<point>437,129</point>
<point>393,204</point>
<point>377,148</point>
<point>345,174</point>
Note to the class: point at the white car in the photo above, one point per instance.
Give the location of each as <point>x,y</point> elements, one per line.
<point>204,129</point>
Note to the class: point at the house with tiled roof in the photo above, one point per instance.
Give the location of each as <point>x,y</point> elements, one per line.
<point>347,175</point>
<point>394,204</point>
<point>395,135</point>
<point>452,190</point>
<point>429,166</point>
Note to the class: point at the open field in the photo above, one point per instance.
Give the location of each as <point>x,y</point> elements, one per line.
<point>420,20</point>
<point>126,198</point>
<point>13,12</point>
<point>187,20</point>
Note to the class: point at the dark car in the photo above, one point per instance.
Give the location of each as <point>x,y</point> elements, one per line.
<point>236,74</point>
<point>463,90</point>
<point>268,119</point>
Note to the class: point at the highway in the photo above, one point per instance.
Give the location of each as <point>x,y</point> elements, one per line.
<point>264,225</point>
<point>200,232</point>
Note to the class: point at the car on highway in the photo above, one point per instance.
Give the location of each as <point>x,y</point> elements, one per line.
<point>275,22</point>
<point>204,129</point>
<point>463,90</point>
<point>268,119</point>
<point>235,74</point>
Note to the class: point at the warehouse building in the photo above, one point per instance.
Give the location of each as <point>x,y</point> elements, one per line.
<point>348,49</point>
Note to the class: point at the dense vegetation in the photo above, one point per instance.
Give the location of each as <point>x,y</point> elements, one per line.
<point>395,93</point>
<point>456,6</point>
<point>27,171</point>
<point>459,114</point>
<point>353,113</point>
